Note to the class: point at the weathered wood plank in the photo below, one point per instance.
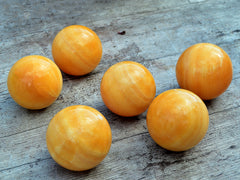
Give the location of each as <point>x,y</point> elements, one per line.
<point>138,156</point>
<point>157,32</point>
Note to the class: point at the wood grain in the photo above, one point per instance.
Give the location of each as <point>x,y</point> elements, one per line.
<point>157,32</point>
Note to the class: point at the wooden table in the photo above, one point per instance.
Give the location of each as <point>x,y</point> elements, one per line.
<point>157,32</point>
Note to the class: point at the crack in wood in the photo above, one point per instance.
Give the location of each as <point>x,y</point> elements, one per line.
<point>224,110</point>
<point>128,137</point>
<point>23,131</point>
<point>29,163</point>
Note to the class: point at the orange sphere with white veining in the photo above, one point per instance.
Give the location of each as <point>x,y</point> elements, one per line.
<point>78,137</point>
<point>77,50</point>
<point>204,69</point>
<point>177,120</point>
<point>127,88</point>
<point>34,82</point>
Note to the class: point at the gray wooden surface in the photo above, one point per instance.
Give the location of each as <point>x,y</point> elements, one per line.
<point>157,32</point>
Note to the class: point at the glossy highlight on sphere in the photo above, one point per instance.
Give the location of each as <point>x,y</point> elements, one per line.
<point>34,82</point>
<point>77,50</point>
<point>204,69</point>
<point>78,137</point>
<point>128,88</point>
<point>177,120</point>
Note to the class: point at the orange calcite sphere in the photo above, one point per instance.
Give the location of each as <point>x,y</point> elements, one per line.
<point>78,137</point>
<point>177,120</point>
<point>34,82</point>
<point>77,50</point>
<point>204,69</point>
<point>128,88</point>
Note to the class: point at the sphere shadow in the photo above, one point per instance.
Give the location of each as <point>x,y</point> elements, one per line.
<point>63,171</point>
<point>210,103</point>
<point>114,118</point>
<point>67,77</point>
